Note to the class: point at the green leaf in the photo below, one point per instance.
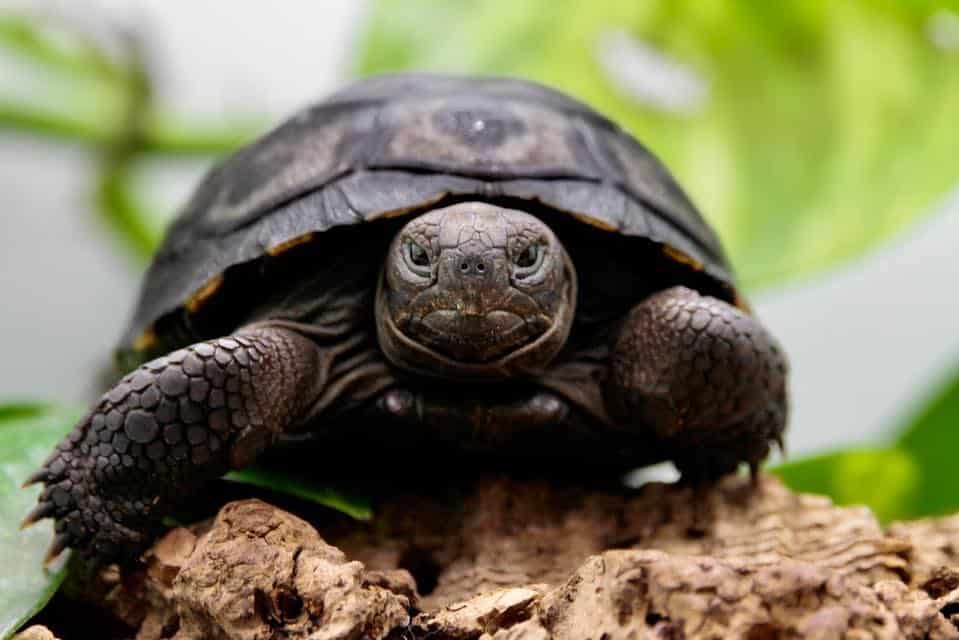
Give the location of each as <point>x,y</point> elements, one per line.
<point>813,143</point>
<point>51,42</point>
<point>28,434</point>
<point>885,480</point>
<point>303,486</point>
<point>124,213</point>
<point>170,134</point>
<point>932,439</point>
<point>59,83</point>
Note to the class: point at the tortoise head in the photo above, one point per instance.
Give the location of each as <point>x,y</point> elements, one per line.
<point>475,291</point>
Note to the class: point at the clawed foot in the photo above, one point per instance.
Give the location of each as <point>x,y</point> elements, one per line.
<point>750,442</point>
<point>109,527</point>
<point>166,429</point>
<point>705,377</point>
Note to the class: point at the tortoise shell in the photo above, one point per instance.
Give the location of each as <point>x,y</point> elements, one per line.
<point>396,145</point>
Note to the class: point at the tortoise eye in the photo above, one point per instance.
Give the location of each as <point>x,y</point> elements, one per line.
<point>418,255</point>
<point>528,257</point>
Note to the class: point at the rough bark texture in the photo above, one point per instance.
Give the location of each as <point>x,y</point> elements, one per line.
<point>516,559</point>
<point>36,632</point>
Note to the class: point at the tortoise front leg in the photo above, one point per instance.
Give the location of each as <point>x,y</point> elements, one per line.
<point>706,377</point>
<point>166,429</point>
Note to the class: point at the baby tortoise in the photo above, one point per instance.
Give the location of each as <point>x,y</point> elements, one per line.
<point>462,266</point>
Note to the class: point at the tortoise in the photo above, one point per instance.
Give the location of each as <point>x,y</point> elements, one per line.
<point>466,266</point>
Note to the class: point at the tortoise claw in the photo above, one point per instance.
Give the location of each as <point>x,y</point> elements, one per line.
<point>60,542</point>
<point>780,444</point>
<point>44,509</point>
<point>40,475</point>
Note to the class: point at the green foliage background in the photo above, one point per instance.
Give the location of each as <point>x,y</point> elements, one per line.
<point>827,128</point>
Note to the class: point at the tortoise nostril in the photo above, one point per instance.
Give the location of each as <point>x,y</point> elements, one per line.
<point>473,266</point>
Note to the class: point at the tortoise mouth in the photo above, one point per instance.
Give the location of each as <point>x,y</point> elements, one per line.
<point>527,355</point>
<point>475,338</point>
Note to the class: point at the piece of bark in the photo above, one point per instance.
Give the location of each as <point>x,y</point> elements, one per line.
<point>934,551</point>
<point>36,632</point>
<point>163,564</point>
<point>625,594</point>
<point>509,533</point>
<point>483,614</point>
<point>515,559</point>
<point>260,569</point>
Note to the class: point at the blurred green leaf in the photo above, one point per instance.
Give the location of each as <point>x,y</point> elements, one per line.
<point>62,84</point>
<point>932,439</point>
<point>50,42</point>
<point>56,82</point>
<point>164,135</point>
<point>72,108</point>
<point>124,214</point>
<point>65,127</point>
<point>27,435</point>
<point>886,480</point>
<point>814,143</point>
<point>170,134</point>
<point>303,486</point>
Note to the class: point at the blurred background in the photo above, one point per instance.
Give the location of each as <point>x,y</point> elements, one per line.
<point>819,138</point>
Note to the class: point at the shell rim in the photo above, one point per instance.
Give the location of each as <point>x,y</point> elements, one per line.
<point>209,290</point>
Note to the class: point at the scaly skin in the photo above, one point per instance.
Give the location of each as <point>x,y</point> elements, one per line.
<point>705,376</point>
<point>165,429</point>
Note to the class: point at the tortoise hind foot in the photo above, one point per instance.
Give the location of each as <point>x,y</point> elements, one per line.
<point>705,377</point>
<point>165,430</point>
